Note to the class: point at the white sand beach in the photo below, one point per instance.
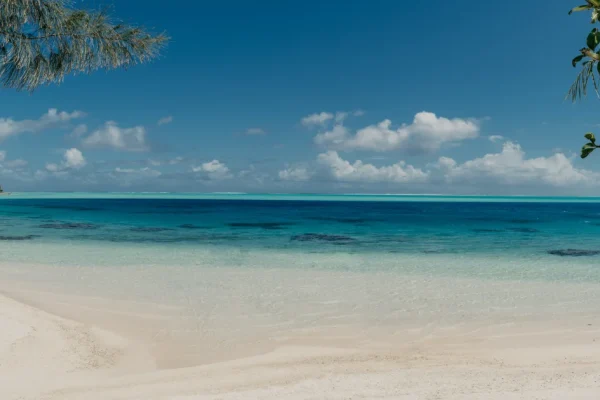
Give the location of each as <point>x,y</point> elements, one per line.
<point>74,346</point>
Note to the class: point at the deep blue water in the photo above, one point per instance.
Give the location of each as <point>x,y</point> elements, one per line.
<point>316,226</point>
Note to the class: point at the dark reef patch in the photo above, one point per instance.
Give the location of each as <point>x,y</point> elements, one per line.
<point>149,229</point>
<point>192,226</point>
<point>322,237</point>
<point>18,238</point>
<point>116,238</point>
<point>343,220</point>
<point>524,230</point>
<point>574,252</point>
<point>68,225</point>
<point>261,225</point>
<point>70,208</point>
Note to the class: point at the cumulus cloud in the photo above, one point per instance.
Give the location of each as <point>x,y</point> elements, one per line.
<point>317,119</point>
<point>296,174</point>
<point>324,118</point>
<point>255,131</point>
<point>52,167</point>
<point>165,120</point>
<point>214,169</point>
<point>341,116</point>
<point>18,163</point>
<point>2,155</point>
<point>72,159</point>
<point>139,172</point>
<point>512,167</point>
<point>427,132</point>
<point>79,130</point>
<point>495,138</point>
<point>336,137</point>
<point>359,171</point>
<point>172,161</point>
<point>509,168</point>
<point>10,127</point>
<point>113,136</point>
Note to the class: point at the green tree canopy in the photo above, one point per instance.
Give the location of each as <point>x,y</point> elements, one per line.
<point>41,41</point>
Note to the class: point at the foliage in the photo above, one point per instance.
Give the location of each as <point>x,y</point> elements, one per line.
<point>590,59</point>
<point>41,41</point>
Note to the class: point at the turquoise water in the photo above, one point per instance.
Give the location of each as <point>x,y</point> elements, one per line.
<point>226,271</point>
<point>239,229</point>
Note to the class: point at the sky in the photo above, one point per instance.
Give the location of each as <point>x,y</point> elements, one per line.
<point>336,96</point>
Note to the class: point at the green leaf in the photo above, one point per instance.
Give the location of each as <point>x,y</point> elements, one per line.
<point>580,8</point>
<point>587,149</point>
<point>592,39</point>
<point>577,59</point>
<point>590,136</point>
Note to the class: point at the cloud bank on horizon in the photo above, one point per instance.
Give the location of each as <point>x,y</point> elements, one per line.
<point>112,157</point>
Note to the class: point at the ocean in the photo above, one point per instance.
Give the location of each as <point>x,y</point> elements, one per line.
<point>536,230</point>
<point>258,270</point>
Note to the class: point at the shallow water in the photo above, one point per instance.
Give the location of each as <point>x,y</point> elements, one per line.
<point>219,274</point>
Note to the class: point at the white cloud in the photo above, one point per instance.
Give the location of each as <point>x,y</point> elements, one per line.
<point>511,167</point>
<point>336,137</point>
<point>255,131</point>
<point>317,119</point>
<point>165,120</point>
<point>507,168</point>
<point>172,161</point>
<point>128,176</point>
<point>214,169</point>
<point>138,172</point>
<point>79,130</point>
<point>341,116</point>
<point>10,127</point>
<point>2,155</point>
<point>18,163</point>
<point>296,174</point>
<point>495,138</point>
<point>358,171</point>
<point>111,135</point>
<point>323,118</point>
<point>74,158</point>
<point>426,133</point>
<point>52,167</point>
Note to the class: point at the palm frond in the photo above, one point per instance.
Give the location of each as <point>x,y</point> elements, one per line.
<point>578,89</point>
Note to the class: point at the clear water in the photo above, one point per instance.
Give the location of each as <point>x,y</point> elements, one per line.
<point>398,232</point>
<point>217,273</point>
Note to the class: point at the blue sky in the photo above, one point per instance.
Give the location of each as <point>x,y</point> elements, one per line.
<point>284,96</point>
